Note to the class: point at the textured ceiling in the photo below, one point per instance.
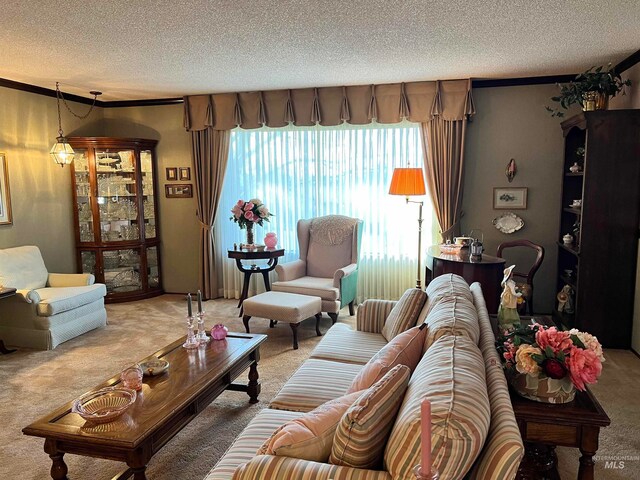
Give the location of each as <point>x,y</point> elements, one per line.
<point>138,49</point>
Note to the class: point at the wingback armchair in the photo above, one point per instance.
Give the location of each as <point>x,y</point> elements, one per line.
<point>328,264</point>
<point>48,308</point>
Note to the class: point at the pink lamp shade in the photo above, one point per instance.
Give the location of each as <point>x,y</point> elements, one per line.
<point>407,182</point>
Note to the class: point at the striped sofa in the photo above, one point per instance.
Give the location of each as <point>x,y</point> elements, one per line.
<point>474,432</point>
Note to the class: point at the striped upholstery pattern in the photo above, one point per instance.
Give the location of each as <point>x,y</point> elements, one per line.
<point>314,383</point>
<point>362,434</point>
<point>338,343</point>
<point>372,314</point>
<point>252,437</point>
<point>503,449</point>
<point>451,376</point>
<point>405,349</point>
<point>444,286</point>
<point>266,467</point>
<point>309,436</point>
<point>404,314</point>
<point>452,316</point>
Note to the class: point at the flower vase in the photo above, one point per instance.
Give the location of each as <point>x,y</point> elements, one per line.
<point>541,388</point>
<point>249,234</point>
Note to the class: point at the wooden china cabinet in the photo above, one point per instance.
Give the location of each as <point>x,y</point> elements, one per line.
<point>116,216</point>
<point>599,265</point>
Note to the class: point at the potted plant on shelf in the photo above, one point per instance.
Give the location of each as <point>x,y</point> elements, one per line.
<point>591,89</point>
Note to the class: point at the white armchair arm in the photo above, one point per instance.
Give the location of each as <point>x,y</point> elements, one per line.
<point>291,270</point>
<point>70,279</point>
<point>27,296</point>
<point>343,272</point>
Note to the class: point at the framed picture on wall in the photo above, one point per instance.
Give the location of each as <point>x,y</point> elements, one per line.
<point>184,174</point>
<point>178,190</point>
<point>172,174</point>
<point>5,195</point>
<point>510,198</point>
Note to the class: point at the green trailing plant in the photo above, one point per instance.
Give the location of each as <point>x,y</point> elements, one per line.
<point>607,82</point>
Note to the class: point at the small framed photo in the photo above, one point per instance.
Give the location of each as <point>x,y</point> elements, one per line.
<point>510,198</point>
<point>184,174</point>
<point>5,195</point>
<point>172,174</point>
<point>179,190</point>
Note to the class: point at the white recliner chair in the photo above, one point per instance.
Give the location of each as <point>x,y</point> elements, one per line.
<point>49,308</point>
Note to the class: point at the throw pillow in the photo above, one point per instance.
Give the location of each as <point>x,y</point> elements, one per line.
<point>405,349</point>
<point>362,433</point>
<point>404,313</point>
<point>310,436</point>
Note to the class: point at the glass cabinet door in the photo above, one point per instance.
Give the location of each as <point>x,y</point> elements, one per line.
<point>83,196</point>
<point>117,195</point>
<point>153,268</point>
<point>88,259</point>
<point>149,213</point>
<point>121,270</point>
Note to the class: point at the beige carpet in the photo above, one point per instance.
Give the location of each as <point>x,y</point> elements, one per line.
<point>35,382</point>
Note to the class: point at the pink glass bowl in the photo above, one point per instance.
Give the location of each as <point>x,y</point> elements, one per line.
<point>104,405</point>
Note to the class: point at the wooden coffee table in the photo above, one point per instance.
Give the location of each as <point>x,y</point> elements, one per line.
<point>166,404</point>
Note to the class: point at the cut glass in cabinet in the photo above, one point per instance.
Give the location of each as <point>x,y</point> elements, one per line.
<point>83,198</point>
<point>88,262</point>
<point>153,271</point>
<point>122,270</point>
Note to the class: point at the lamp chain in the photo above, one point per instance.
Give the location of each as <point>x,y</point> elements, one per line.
<point>81,117</point>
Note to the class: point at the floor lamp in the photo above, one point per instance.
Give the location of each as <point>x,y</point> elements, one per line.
<point>409,182</point>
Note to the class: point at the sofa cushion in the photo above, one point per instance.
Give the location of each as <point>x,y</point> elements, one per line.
<point>314,383</point>
<point>503,449</point>
<point>452,316</point>
<point>55,300</point>
<point>362,434</point>
<point>404,313</point>
<point>312,286</point>
<point>22,268</point>
<point>309,436</point>
<point>451,375</point>
<point>405,349</point>
<point>444,286</point>
<point>337,345</point>
<point>247,443</point>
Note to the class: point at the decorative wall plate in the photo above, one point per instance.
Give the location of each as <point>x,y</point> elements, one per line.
<point>508,222</point>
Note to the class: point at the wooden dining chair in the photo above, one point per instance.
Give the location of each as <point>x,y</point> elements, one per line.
<point>524,281</point>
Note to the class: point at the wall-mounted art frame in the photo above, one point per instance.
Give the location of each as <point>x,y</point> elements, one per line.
<point>172,174</point>
<point>184,174</point>
<point>510,198</point>
<point>5,194</point>
<point>178,190</point>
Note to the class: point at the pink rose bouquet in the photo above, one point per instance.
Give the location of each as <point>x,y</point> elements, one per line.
<point>250,212</point>
<point>547,351</point>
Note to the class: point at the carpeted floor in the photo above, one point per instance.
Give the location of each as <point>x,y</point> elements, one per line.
<point>35,382</point>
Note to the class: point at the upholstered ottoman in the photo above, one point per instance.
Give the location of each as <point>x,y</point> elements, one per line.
<point>283,307</point>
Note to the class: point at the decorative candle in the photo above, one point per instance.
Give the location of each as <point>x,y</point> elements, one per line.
<point>189,311</point>
<point>425,438</point>
<point>199,301</point>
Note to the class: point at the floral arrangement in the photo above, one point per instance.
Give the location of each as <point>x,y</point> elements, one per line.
<point>540,350</point>
<point>250,212</point>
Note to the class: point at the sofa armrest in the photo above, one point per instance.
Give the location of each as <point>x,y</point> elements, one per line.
<point>27,296</point>
<point>291,270</point>
<point>372,314</point>
<point>270,467</point>
<point>70,279</point>
<point>343,272</point>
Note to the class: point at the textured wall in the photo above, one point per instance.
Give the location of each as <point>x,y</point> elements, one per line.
<point>40,189</point>
<point>512,123</point>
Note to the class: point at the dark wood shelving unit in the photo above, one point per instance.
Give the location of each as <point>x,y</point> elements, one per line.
<point>603,256</point>
<point>114,184</point>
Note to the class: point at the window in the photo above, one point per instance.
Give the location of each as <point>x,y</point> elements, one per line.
<point>308,172</point>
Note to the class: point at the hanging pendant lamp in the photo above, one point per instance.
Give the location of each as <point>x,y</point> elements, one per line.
<point>61,151</point>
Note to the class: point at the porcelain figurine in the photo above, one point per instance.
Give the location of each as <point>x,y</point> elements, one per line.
<point>508,309</point>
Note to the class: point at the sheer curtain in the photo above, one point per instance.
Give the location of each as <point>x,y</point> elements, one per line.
<point>313,171</point>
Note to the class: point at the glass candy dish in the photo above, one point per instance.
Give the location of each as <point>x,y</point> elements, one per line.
<point>104,405</point>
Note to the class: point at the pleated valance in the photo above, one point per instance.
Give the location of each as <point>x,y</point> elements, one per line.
<point>329,106</point>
